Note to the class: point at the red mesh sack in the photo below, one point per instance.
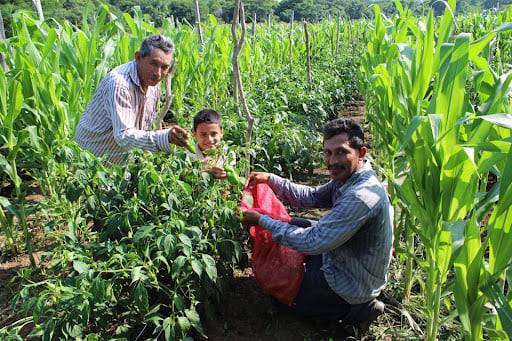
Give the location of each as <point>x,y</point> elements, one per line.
<point>278,270</point>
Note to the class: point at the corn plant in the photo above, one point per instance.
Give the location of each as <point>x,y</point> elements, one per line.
<point>417,76</point>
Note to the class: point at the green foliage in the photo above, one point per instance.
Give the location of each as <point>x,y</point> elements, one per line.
<point>147,253</point>
<point>140,253</point>
<point>442,139</point>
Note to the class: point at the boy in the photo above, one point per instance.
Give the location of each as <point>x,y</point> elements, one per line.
<point>208,133</point>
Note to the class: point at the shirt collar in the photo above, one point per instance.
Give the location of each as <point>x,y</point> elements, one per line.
<point>134,75</point>
<point>363,169</point>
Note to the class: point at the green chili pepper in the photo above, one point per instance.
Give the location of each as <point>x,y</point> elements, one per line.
<point>233,178</point>
<point>191,146</point>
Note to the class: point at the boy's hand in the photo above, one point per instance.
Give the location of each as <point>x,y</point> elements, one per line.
<point>216,172</point>
<point>257,177</point>
<point>250,218</point>
<point>178,136</point>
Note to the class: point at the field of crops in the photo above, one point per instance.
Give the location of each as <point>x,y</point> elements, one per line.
<point>150,255</point>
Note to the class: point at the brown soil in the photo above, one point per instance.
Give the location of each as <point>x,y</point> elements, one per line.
<point>355,109</point>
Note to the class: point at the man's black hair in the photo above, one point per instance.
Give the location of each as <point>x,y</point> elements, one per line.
<point>156,42</point>
<point>347,126</point>
<point>207,116</point>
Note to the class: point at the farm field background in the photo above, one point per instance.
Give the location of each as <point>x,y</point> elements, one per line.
<point>156,255</point>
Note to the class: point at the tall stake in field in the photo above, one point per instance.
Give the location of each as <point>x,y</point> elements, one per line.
<point>308,53</point>
<point>239,15</point>
<point>168,95</point>
<point>198,23</point>
<point>338,24</point>
<point>254,26</point>
<point>39,9</point>
<point>291,41</point>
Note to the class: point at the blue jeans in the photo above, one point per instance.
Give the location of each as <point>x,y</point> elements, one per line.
<point>315,298</point>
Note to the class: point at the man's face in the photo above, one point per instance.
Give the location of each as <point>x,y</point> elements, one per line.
<point>340,158</point>
<point>208,135</point>
<point>153,67</point>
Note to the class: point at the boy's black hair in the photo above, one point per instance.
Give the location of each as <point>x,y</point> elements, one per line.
<point>347,126</point>
<point>206,116</point>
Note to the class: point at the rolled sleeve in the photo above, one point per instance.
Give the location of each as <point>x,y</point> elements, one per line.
<point>300,195</point>
<point>333,230</point>
<point>124,116</point>
<point>163,140</point>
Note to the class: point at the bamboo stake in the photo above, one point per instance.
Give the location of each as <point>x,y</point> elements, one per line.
<point>39,9</point>
<point>254,26</point>
<point>338,24</point>
<point>168,95</point>
<point>198,23</point>
<point>239,14</point>
<point>269,21</point>
<point>308,53</point>
<point>291,42</point>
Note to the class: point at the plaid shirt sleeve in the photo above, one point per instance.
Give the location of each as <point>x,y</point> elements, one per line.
<point>334,229</point>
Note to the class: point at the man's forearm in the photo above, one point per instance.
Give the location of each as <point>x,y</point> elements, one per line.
<point>146,140</point>
<point>300,195</point>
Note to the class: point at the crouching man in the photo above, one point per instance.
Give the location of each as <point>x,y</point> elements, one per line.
<point>349,249</point>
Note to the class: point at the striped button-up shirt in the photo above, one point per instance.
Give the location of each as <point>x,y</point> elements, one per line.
<point>120,116</point>
<point>355,237</point>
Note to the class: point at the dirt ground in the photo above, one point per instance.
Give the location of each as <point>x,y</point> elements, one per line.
<point>247,314</point>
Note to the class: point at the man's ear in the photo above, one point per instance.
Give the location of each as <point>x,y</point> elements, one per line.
<point>362,152</point>
<point>138,56</point>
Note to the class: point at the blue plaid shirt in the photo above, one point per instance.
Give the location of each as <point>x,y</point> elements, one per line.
<point>355,237</point>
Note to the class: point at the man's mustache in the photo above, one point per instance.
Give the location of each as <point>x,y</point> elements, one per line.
<point>335,167</point>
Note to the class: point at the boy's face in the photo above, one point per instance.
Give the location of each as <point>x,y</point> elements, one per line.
<point>208,135</point>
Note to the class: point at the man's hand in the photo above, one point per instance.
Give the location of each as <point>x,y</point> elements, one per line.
<point>257,177</point>
<point>178,136</point>
<point>216,172</point>
<point>250,218</point>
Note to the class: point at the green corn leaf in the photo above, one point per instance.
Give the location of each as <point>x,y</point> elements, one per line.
<point>502,120</point>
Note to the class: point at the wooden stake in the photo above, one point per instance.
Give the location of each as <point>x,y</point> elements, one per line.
<point>39,9</point>
<point>168,95</point>
<point>291,42</point>
<point>238,42</point>
<point>308,53</point>
<point>254,26</point>
<point>338,24</point>
<point>198,23</point>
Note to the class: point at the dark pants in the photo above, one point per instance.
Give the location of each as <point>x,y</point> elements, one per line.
<point>316,299</point>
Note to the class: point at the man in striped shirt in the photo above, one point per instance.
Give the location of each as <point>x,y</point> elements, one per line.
<point>350,247</point>
<point>121,114</point>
